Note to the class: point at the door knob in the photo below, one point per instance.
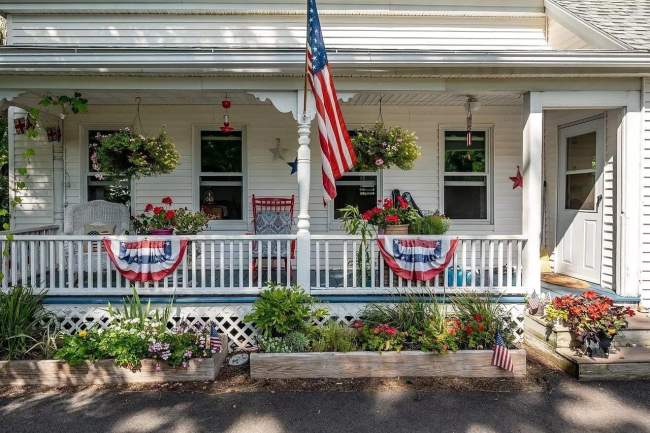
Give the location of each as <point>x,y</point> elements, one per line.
<point>598,200</point>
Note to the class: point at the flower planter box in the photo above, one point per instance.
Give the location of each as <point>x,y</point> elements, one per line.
<point>58,373</point>
<point>464,363</point>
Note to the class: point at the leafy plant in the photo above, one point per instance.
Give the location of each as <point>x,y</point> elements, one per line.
<point>126,154</point>
<point>391,213</point>
<point>136,313</point>
<point>381,338</point>
<point>25,324</point>
<point>187,222</point>
<point>436,224</point>
<point>589,313</point>
<point>416,310</point>
<point>480,318</point>
<point>384,147</point>
<point>334,337</point>
<point>280,310</point>
<point>293,342</point>
<point>155,217</point>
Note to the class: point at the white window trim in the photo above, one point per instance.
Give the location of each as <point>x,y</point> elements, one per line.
<point>219,225</point>
<point>335,224</point>
<point>85,171</point>
<point>489,134</point>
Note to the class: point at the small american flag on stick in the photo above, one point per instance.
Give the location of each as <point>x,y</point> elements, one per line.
<point>215,339</point>
<point>337,152</point>
<point>501,356</point>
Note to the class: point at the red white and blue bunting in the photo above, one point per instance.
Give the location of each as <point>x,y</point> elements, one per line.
<point>146,260</point>
<point>416,259</point>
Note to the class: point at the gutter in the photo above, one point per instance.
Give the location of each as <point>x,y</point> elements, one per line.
<point>102,60</point>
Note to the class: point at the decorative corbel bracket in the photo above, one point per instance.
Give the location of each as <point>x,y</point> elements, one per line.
<point>293,101</point>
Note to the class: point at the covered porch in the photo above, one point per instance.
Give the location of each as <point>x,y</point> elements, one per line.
<point>501,230</point>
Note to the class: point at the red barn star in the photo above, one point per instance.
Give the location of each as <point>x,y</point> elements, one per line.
<point>517,180</point>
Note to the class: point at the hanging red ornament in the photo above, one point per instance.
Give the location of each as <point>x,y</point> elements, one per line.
<point>517,180</point>
<point>226,104</point>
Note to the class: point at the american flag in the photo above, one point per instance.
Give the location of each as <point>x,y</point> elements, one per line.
<point>215,339</point>
<point>501,356</point>
<point>336,148</point>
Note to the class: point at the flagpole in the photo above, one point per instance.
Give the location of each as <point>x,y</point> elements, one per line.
<point>304,96</point>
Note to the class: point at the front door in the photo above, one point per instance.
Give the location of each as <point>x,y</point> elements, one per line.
<point>580,196</point>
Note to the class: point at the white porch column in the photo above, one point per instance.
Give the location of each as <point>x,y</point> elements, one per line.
<point>303,243</point>
<point>532,190</point>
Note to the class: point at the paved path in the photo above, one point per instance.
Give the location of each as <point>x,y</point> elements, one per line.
<point>568,407</point>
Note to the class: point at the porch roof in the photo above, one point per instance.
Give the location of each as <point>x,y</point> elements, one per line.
<point>290,62</point>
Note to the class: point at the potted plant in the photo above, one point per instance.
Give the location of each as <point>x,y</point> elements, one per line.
<point>188,222</point>
<point>156,220</point>
<point>382,147</point>
<point>434,224</point>
<point>392,218</point>
<point>593,320</point>
<point>127,154</point>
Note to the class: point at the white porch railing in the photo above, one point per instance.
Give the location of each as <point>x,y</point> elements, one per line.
<point>480,262</point>
<point>49,229</point>
<point>239,265</point>
<point>79,265</point>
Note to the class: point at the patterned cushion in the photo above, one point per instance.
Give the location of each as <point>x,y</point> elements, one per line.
<point>99,229</point>
<point>273,223</point>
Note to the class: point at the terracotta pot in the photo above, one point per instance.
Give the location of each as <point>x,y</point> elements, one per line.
<point>397,229</point>
<point>161,232</point>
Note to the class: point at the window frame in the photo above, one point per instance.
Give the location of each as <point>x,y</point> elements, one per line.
<point>489,173</point>
<point>214,225</point>
<point>84,130</point>
<point>335,223</point>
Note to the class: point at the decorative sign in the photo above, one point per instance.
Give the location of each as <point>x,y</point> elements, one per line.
<point>517,180</point>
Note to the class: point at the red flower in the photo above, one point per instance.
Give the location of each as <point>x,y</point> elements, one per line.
<point>357,324</point>
<point>384,329</point>
<point>148,207</point>
<point>169,215</point>
<point>167,200</point>
<point>478,317</point>
<point>158,210</point>
<point>629,311</point>
<point>402,203</point>
<point>392,219</point>
<point>469,330</point>
<point>367,215</point>
<point>590,294</point>
<point>388,203</point>
<point>481,327</point>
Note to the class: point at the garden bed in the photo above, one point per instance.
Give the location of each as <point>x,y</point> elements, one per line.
<point>463,363</point>
<point>54,373</point>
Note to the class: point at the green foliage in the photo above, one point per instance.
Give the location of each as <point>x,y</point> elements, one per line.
<point>188,222</point>
<point>293,342</point>
<point>76,103</point>
<point>381,338</point>
<point>334,337</point>
<point>139,314</point>
<point>405,316</point>
<point>435,224</point>
<point>281,310</point>
<point>126,154</point>
<point>25,325</point>
<point>480,318</point>
<point>384,147</point>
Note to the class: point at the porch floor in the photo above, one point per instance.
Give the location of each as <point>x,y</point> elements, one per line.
<point>553,290</point>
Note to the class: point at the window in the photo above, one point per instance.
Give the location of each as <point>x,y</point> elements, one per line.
<point>221,178</point>
<point>466,175</point>
<point>356,189</point>
<point>99,186</point>
<point>580,172</point>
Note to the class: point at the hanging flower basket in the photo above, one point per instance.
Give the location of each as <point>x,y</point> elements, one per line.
<point>126,154</point>
<point>384,147</point>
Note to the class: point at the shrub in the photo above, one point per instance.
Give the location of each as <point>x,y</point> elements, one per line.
<point>435,224</point>
<point>25,325</point>
<point>189,223</point>
<point>334,337</point>
<point>291,343</point>
<point>281,310</point>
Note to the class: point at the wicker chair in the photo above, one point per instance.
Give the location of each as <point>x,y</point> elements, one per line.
<point>96,212</point>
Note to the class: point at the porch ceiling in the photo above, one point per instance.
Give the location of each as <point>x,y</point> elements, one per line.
<point>173,97</point>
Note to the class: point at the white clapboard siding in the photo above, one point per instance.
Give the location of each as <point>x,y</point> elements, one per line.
<point>263,125</point>
<point>645,200</point>
<point>277,31</point>
<point>552,120</point>
<point>37,207</point>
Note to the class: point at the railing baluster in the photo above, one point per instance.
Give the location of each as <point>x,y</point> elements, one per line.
<point>213,281</point>
<point>231,264</point>
<point>14,263</point>
<point>327,265</point>
<point>250,264</point>
<point>193,266</point>
<point>203,285</point>
<point>364,267</point>
<point>62,263</point>
<point>345,264</point>
<point>500,263</point>
<point>509,265</point>
<point>473,262</point>
<point>42,256</point>
<point>289,264</point>
<point>381,272</point>
<point>240,247</point>
<point>260,264</point>
<point>355,257</point>
<point>317,263</point>
<point>52,246</point>
<point>463,263</point>
<point>269,259</point>
<point>520,245</point>
<point>32,264</point>
<point>89,264</point>
<point>491,264</point>
<point>484,275</point>
<point>278,259</point>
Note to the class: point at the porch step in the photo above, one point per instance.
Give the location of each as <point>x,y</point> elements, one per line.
<point>637,334</point>
<point>553,291</point>
<point>628,363</point>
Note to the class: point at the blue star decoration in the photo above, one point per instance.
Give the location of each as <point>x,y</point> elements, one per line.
<point>294,166</point>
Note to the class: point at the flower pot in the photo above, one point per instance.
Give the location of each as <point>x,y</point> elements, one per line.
<point>397,229</point>
<point>161,232</point>
<point>605,342</point>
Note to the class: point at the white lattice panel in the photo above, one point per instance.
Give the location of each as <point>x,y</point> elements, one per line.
<point>229,318</point>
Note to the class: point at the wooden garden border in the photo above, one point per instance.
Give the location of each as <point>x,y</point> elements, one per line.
<point>464,363</point>
<point>54,373</point>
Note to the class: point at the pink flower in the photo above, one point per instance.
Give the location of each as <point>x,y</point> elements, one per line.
<point>379,162</point>
<point>148,207</point>
<point>169,215</point>
<point>167,200</point>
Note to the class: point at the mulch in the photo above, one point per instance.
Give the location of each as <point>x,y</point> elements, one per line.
<point>540,378</point>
